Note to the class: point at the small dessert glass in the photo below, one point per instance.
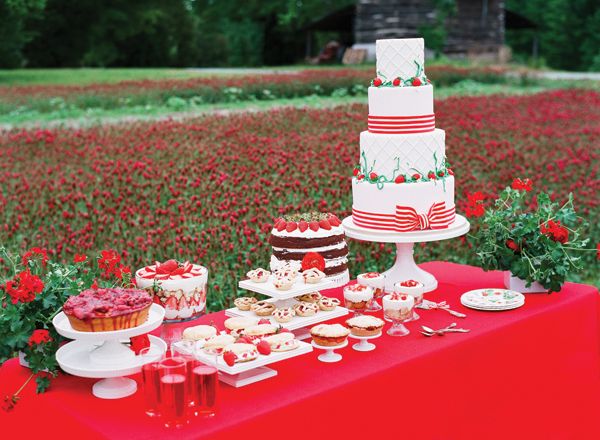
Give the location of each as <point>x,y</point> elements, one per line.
<point>397,315</point>
<point>418,300</point>
<point>360,306</point>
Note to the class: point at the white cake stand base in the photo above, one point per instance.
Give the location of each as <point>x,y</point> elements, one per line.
<point>114,388</point>
<point>330,356</point>
<point>405,267</point>
<point>364,344</point>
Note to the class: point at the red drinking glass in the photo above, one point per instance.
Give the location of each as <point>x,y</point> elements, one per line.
<point>173,391</point>
<point>205,387</point>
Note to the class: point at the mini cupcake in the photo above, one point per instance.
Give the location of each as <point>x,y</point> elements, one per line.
<point>245,302</point>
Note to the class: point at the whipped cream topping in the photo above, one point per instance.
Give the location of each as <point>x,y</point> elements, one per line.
<point>242,350</point>
<point>409,287</point>
<point>398,302</point>
<point>280,338</point>
<point>358,292</point>
<point>320,249</point>
<point>371,279</point>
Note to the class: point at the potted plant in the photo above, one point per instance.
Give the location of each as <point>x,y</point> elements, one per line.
<point>533,239</point>
<point>33,289</point>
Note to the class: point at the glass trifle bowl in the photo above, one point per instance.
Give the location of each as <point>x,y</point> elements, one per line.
<point>180,287</point>
<point>412,288</point>
<point>357,298</point>
<point>375,281</point>
<point>397,308</point>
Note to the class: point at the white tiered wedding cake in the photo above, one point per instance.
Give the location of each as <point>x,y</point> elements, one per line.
<point>402,182</point>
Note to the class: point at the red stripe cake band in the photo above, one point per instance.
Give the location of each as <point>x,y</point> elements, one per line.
<point>401,124</point>
<point>406,219</point>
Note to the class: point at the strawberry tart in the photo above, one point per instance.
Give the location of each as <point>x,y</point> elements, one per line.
<point>296,237</point>
<point>103,310</point>
<point>179,287</point>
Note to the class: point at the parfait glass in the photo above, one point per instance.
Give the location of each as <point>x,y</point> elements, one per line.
<point>173,391</point>
<point>357,301</point>
<point>398,309</point>
<point>418,298</point>
<point>151,379</point>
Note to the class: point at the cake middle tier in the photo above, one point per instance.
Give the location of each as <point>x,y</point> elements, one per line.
<point>390,155</point>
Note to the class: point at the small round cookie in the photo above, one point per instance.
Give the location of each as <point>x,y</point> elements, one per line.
<point>244,302</point>
<point>312,275</point>
<point>312,297</point>
<point>328,304</point>
<point>306,309</point>
<point>259,275</point>
<point>283,283</point>
<point>263,308</point>
<point>199,333</point>
<point>285,314</point>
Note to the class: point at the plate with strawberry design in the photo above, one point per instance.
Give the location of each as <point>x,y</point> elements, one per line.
<point>492,299</point>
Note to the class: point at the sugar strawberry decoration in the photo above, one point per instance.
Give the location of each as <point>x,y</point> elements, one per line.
<point>400,179</point>
<point>377,82</point>
<point>263,347</point>
<point>229,358</point>
<point>416,176</point>
<point>167,267</point>
<point>431,175</point>
<point>373,176</point>
<point>396,82</point>
<point>416,82</point>
<point>313,260</point>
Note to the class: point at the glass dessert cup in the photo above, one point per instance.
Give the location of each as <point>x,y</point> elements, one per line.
<point>173,392</point>
<point>373,304</point>
<point>414,316</point>
<point>151,380</point>
<point>357,307</point>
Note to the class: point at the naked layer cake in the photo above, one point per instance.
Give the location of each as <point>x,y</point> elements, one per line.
<point>101,310</point>
<point>294,236</point>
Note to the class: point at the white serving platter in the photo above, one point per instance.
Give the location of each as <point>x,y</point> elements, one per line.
<point>245,373</point>
<point>299,287</point>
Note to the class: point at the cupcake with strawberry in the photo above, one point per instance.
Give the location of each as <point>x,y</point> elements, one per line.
<point>311,240</point>
<point>180,287</point>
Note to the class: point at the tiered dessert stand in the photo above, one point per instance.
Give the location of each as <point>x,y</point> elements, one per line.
<point>245,373</point>
<point>104,355</point>
<point>405,267</point>
<point>285,298</point>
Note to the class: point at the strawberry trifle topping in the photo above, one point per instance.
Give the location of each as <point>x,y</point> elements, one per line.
<point>371,275</point>
<point>410,283</point>
<point>170,270</point>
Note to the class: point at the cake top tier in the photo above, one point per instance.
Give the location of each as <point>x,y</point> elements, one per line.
<point>400,58</point>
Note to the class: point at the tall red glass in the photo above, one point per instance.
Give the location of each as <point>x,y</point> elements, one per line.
<point>173,391</point>
<point>205,386</point>
<point>151,381</point>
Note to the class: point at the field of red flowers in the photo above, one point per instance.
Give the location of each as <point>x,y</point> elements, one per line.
<point>207,189</point>
<point>323,82</point>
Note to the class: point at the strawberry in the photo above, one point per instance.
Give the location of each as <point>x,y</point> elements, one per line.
<point>291,226</point>
<point>302,225</point>
<point>229,358</point>
<point>377,82</point>
<point>431,175</point>
<point>396,82</point>
<point>416,176</point>
<point>169,266</point>
<point>264,321</point>
<point>244,340</point>
<point>281,226</point>
<point>334,221</point>
<point>400,179</point>
<point>178,271</point>
<point>416,82</point>
<point>171,303</point>
<point>183,303</point>
<point>314,226</point>
<point>360,176</point>
<point>373,176</point>
<point>440,173</point>
<point>283,330</point>
<point>263,347</point>
<point>355,171</point>
<point>325,225</point>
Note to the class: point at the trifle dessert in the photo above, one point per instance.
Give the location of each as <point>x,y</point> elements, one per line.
<point>293,237</point>
<point>398,308</point>
<point>375,281</point>
<point>414,289</point>
<point>179,287</point>
<point>357,297</point>
<point>102,310</point>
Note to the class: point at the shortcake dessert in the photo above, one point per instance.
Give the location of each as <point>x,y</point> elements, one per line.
<point>236,325</point>
<point>413,288</point>
<point>199,333</point>
<point>365,325</point>
<point>282,342</point>
<point>329,335</point>
<point>239,352</point>
<point>397,306</point>
<point>217,343</point>
<point>357,296</point>
<point>260,331</point>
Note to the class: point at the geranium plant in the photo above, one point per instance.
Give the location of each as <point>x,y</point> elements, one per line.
<point>33,289</point>
<point>533,237</point>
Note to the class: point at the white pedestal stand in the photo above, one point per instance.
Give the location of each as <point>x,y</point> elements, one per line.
<point>329,356</point>
<point>405,267</point>
<point>364,344</point>
<point>103,355</point>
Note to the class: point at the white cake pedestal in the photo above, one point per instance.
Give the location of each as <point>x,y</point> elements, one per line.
<point>102,355</point>
<point>405,267</point>
<point>329,356</point>
<point>364,344</point>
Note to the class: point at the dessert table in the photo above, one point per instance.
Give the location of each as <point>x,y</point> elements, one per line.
<point>532,372</point>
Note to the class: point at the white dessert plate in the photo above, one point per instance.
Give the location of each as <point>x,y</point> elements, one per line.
<point>155,318</point>
<point>241,367</point>
<point>492,299</point>
<point>297,289</point>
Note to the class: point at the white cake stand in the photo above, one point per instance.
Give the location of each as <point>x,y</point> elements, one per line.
<point>330,356</point>
<point>103,355</point>
<point>405,267</point>
<point>364,344</point>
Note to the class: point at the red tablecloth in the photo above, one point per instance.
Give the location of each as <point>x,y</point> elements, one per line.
<point>529,373</point>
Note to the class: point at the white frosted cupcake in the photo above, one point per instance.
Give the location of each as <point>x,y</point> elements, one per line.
<point>398,307</point>
<point>374,280</point>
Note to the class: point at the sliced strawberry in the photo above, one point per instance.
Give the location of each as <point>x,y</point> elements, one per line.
<point>302,225</point>
<point>171,303</point>
<point>281,226</point>
<point>183,303</point>
<point>325,225</point>
<point>244,340</point>
<point>178,271</point>
<point>283,330</point>
<point>334,221</point>
<point>291,226</point>
<point>229,358</point>
<point>313,225</point>
<point>264,321</point>
<point>263,347</point>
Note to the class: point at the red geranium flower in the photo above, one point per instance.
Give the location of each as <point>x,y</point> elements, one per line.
<point>109,263</point>
<point>39,336</point>
<point>475,208</point>
<point>43,253</point>
<point>555,231</point>
<point>525,184</point>
<point>24,287</point>
<point>313,260</point>
<point>79,258</point>
<point>512,245</point>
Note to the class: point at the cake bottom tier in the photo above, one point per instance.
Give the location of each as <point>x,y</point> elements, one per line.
<point>404,207</point>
